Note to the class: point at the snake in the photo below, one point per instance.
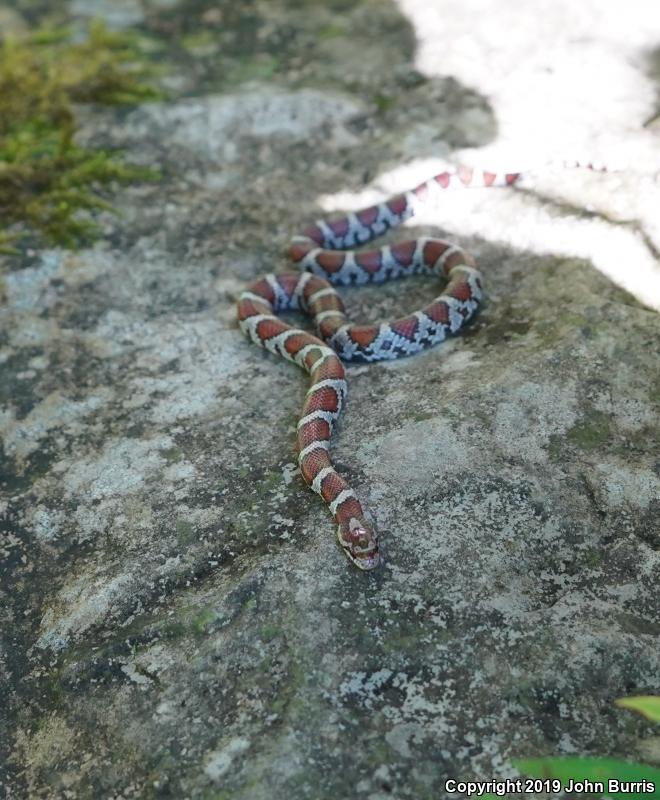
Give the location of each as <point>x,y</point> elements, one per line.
<point>326,256</point>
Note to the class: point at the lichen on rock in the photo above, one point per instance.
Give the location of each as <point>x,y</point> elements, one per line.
<point>176,619</point>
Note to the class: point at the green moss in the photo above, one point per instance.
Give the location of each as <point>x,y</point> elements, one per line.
<point>48,184</point>
<point>174,630</point>
<point>201,43</point>
<point>267,483</point>
<point>384,102</point>
<point>332,31</point>
<point>421,416</point>
<point>185,531</point>
<point>260,68</point>
<point>654,392</point>
<point>592,558</point>
<point>203,620</point>
<point>378,752</point>
<point>591,431</point>
<point>268,632</point>
<point>221,795</point>
<point>53,688</point>
<point>555,448</point>
<point>172,455</point>
<point>571,321</point>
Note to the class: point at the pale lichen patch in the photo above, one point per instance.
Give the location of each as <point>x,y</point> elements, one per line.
<point>530,414</point>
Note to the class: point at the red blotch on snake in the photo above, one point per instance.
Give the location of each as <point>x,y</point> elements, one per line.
<point>407,326</point>
<point>298,250</point>
<point>329,261</point>
<point>364,334</point>
<point>438,312</point>
<point>370,261</point>
<point>288,281</point>
<point>433,250</point>
<point>397,205</point>
<point>339,226</point>
<point>314,233</point>
<point>368,215</point>
<point>297,341</point>
<point>404,253</point>
<point>316,430</point>
<point>333,484</point>
<point>322,399</point>
<point>268,328</point>
<point>461,291</point>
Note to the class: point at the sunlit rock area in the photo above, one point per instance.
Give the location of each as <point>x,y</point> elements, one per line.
<point>176,617</point>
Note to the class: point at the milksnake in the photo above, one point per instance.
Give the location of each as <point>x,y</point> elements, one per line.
<point>311,291</point>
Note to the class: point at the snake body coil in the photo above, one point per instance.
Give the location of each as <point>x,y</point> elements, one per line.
<point>318,252</point>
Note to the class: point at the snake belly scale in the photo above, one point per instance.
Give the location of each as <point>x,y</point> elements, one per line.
<point>324,251</point>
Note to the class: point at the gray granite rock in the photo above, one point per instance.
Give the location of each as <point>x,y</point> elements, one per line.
<point>177,620</point>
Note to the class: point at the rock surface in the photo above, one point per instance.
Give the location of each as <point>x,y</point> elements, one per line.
<point>177,620</point>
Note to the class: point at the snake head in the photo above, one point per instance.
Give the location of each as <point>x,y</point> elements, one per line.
<point>360,543</point>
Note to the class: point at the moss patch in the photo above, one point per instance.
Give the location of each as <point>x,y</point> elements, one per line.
<point>47,183</point>
<point>201,622</point>
<point>268,632</point>
<point>591,431</point>
<point>260,68</point>
<point>592,558</point>
<point>185,531</point>
<point>173,455</point>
